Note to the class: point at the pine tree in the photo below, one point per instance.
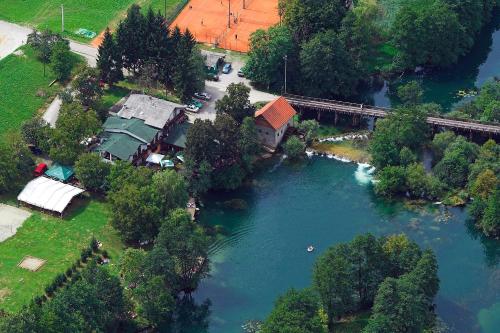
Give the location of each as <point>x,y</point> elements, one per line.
<point>108,60</point>
<point>131,39</point>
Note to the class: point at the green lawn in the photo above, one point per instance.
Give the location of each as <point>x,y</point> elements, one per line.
<point>93,15</point>
<point>23,89</point>
<point>58,241</point>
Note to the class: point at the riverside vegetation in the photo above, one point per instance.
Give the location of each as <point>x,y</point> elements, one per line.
<point>461,169</point>
<point>390,276</point>
<point>332,49</point>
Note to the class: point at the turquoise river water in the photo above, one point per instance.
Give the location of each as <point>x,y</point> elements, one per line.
<point>324,201</point>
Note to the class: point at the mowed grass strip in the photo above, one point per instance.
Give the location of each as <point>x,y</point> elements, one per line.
<point>59,242</point>
<point>21,78</point>
<point>93,15</point>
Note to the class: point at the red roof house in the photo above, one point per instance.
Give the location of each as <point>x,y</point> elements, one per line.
<point>273,120</point>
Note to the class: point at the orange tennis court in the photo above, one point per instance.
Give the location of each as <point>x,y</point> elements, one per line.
<point>211,21</point>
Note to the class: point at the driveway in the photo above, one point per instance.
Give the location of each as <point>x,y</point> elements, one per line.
<point>11,218</point>
<point>11,37</point>
<point>218,89</point>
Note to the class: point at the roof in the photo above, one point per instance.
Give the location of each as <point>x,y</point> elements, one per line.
<point>154,111</point>
<point>177,136</point>
<point>119,144</point>
<point>132,127</point>
<point>61,172</point>
<point>48,194</point>
<point>277,113</point>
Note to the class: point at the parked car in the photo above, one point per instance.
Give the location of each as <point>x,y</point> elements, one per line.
<point>227,68</point>
<point>241,73</point>
<point>212,77</point>
<point>196,103</point>
<point>203,95</point>
<point>192,108</point>
<point>40,169</point>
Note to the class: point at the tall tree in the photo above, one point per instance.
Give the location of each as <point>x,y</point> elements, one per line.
<point>295,312</point>
<point>332,279</point>
<point>87,87</point>
<point>61,60</point>
<point>92,171</point>
<point>72,127</point>
<point>427,34</point>
<point>131,39</point>
<point>43,43</point>
<point>266,59</point>
<point>109,60</point>
<point>187,245</point>
<point>169,191</point>
<point>248,143</point>
<point>307,17</point>
<point>320,60</point>
<point>236,102</point>
<point>189,72</point>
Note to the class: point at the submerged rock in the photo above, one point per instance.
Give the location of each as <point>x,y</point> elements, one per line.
<point>237,204</point>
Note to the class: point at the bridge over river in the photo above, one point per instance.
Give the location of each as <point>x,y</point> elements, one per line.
<point>361,110</point>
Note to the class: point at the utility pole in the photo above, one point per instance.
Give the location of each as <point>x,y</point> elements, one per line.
<point>229,16</point>
<point>62,17</point>
<point>286,59</point>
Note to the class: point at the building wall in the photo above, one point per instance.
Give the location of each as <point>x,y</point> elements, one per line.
<point>271,137</point>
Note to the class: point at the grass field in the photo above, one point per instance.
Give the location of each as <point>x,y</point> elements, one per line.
<point>93,15</point>
<point>21,78</point>
<point>59,241</point>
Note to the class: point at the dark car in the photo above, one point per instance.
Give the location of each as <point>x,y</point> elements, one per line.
<point>227,68</point>
<point>212,77</point>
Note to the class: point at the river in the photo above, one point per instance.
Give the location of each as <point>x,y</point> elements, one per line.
<point>323,202</point>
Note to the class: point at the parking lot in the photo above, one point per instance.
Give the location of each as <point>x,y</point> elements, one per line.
<point>217,89</point>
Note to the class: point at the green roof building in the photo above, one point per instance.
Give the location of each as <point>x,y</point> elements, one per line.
<point>137,128</point>
<point>177,136</point>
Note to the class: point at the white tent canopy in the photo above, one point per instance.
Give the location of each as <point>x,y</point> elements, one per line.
<point>155,158</point>
<point>48,194</point>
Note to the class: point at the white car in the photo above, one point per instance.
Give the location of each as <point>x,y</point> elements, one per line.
<point>203,96</point>
<point>192,108</point>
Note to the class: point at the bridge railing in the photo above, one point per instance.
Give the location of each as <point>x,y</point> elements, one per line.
<point>388,110</point>
<point>356,105</point>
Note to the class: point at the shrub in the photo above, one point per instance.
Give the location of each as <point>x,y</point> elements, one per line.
<point>50,289</point>
<point>294,148</point>
<point>105,254</point>
<point>69,272</point>
<point>78,263</point>
<point>94,245</point>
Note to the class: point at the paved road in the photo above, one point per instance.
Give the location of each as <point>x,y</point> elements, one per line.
<point>52,112</point>
<point>87,51</point>
<point>11,37</point>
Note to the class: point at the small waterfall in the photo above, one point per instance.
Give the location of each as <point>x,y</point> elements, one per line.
<point>364,173</point>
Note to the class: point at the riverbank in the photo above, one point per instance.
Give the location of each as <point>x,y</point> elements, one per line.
<point>350,147</point>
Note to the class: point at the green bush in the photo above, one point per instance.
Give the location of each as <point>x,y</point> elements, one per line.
<point>294,148</point>
<point>94,245</point>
